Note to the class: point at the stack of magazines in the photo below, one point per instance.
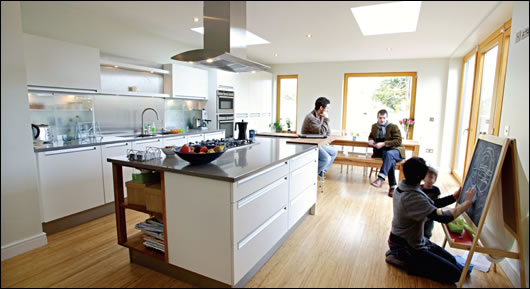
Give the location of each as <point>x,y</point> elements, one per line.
<point>153,230</point>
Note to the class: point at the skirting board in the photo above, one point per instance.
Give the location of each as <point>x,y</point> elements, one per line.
<point>25,245</point>
<point>512,272</point>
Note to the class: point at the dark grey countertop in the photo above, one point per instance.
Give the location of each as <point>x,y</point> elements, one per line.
<point>234,165</point>
<point>60,145</point>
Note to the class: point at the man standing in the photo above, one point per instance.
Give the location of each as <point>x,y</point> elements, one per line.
<point>385,138</point>
<point>317,122</point>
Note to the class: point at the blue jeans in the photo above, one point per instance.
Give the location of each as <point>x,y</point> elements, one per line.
<point>390,157</point>
<point>326,156</point>
<point>434,263</point>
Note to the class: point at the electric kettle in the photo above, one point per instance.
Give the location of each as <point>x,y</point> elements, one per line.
<point>242,130</point>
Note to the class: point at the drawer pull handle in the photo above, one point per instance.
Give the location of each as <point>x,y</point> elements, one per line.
<point>60,152</point>
<point>147,141</point>
<point>260,174</point>
<point>260,193</point>
<point>261,228</point>
<point>174,138</point>
<point>116,145</point>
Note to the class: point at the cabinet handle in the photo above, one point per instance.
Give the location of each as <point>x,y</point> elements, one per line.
<point>60,152</point>
<point>147,141</point>
<point>116,145</point>
<point>174,138</point>
<point>260,193</point>
<point>261,228</point>
<point>260,174</point>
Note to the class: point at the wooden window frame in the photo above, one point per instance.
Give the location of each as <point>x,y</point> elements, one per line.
<point>414,76</point>
<point>278,98</point>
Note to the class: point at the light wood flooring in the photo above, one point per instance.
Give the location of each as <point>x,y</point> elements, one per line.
<point>344,245</point>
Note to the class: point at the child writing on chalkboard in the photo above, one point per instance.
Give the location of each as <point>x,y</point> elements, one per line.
<point>408,246</point>
<point>432,192</point>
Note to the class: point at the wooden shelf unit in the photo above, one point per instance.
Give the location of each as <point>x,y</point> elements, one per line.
<point>135,241</point>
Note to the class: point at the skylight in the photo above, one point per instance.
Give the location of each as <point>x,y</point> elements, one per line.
<point>388,18</point>
<point>252,39</point>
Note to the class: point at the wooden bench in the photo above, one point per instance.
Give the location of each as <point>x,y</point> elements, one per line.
<point>365,161</point>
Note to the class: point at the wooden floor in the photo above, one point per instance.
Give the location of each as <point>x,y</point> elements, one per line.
<point>344,245</point>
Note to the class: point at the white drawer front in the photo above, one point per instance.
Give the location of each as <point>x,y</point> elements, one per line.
<point>302,178</point>
<point>249,185</point>
<point>253,210</point>
<point>251,249</point>
<point>303,159</point>
<point>175,141</point>
<point>299,205</point>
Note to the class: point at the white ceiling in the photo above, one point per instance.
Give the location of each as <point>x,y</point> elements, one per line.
<point>442,28</point>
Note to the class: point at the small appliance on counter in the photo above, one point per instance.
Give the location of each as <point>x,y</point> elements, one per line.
<point>42,132</point>
<point>242,130</point>
<point>202,123</point>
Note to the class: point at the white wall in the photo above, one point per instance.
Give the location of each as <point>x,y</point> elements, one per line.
<point>57,20</point>
<point>515,115</point>
<point>20,198</point>
<point>327,79</point>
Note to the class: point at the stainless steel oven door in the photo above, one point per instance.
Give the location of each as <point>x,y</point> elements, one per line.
<point>225,105</point>
<point>228,126</point>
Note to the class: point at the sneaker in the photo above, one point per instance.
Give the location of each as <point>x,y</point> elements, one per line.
<point>321,174</point>
<point>391,259</point>
<point>377,183</point>
<point>391,192</point>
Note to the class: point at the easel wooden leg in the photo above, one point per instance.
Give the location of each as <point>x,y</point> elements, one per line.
<point>445,242</point>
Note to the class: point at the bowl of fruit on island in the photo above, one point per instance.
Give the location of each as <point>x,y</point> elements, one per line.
<point>197,154</point>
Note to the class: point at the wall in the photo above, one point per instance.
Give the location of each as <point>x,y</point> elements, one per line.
<point>327,79</point>
<point>515,115</point>
<point>21,226</point>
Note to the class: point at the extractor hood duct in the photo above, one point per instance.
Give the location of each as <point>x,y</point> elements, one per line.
<point>224,39</point>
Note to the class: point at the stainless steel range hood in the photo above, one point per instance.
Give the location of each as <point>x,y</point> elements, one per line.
<point>224,39</point>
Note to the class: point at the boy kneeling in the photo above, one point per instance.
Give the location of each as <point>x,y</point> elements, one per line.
<point>412,208</point>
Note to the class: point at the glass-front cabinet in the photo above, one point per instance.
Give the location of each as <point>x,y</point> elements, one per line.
<point>68,116</point>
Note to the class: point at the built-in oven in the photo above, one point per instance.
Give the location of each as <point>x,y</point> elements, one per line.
<point>226,123</point>
<point>225,101</point>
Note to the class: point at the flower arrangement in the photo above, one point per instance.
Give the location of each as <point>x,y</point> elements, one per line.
<point>407,124</point>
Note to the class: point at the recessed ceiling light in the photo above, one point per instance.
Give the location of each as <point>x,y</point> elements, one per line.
<point>196,19</point>
<point>309,35</point>
<point>251,38</point>
<point>389,49</point>
<point>388,18</point>
<point>275,54</point>
<point>209,60</point>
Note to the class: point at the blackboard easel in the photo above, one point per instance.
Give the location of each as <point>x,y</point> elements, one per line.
<point>506,171</point>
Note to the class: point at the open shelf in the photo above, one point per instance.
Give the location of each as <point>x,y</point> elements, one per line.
<point>135,242</point>
<point>142,209</point>
<point>121,65</point>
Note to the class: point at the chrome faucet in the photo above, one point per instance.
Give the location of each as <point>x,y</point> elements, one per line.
<point>149,108</point>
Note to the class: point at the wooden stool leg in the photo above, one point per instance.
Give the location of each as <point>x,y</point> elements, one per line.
<point>495,267</point>
<point>445,242</point>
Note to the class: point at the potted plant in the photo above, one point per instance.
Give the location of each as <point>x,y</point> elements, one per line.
<point>288,123</point>
<point>278,127</point>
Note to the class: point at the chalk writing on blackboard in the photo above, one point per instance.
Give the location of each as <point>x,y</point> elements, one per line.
<point>480,176</point>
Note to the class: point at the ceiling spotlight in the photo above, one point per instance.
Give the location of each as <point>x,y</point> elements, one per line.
<point>209,60</point>
<point>275,54</point>
<point>309,36</point>
<point>389,49</point>
<point>196,19</point>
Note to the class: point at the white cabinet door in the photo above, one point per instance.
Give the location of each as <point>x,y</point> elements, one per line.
<point>142,145</point>
<point>266,95</point>
<point>175,141</point>
<point>60,64</point>
<point>186,82</point>
<point>241,91</point>
<point>214,135</point>
<point>109,151</point>
<point>195,138</point>
<point>70,181</point>
<point>225,79</point>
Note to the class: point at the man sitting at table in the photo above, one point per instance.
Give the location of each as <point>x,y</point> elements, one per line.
<point>317,122</point>
<point>385,138</point>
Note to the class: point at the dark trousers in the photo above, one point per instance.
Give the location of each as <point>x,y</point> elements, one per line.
<point>434,263</point>
<point>390,157</point>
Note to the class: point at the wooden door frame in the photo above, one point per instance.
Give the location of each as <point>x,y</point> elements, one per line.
<point>414,76</point>
<point>278,87</point>
<point>466,58</point>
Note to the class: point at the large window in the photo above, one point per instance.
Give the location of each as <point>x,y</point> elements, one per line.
<point>286,101</point>
<point>481,101</point>
<point>367,93</point>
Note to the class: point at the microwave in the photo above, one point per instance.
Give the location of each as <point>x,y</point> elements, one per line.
<point>225,101</point>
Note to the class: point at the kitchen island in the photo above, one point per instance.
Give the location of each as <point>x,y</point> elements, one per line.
<point>223,220</point>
